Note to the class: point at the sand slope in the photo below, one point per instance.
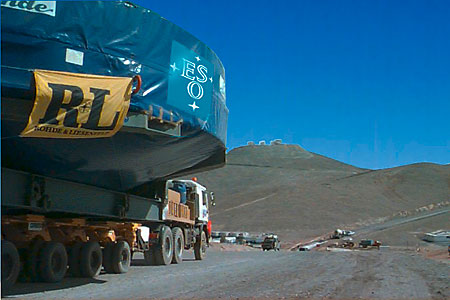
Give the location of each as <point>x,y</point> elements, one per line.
<point>286,189</point>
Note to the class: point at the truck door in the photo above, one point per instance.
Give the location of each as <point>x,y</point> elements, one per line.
<point>203,206</point>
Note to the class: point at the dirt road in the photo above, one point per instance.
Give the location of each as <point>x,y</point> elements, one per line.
<point>405,220</point>
<point>367,274</point>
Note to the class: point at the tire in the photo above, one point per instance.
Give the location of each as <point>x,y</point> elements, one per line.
<point>52,262</point>
<point>149,257</point>
<point>200,247</point>
<point>74,259</point>
<point>121,257</point>
<point>107,257</point>
<point>91,259</point>
<point>30,270</point>
<point>178,245</point>
<point>10,264</point>
<point>164,250</point>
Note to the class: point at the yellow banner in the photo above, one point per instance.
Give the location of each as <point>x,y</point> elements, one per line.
<point>71,105</point>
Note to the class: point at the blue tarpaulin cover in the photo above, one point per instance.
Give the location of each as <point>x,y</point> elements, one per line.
<point>183,81</point>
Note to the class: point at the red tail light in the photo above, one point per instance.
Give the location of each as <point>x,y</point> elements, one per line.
<point>209,227</point>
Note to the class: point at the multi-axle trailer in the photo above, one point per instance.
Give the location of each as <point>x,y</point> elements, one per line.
<point>52,226</point>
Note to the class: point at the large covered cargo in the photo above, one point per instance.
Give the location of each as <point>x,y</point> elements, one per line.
<point>174,125</point>
<point>102,104</point>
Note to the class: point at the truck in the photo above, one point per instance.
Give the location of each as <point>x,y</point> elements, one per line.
<point>271,242</point>
<point>43,248</point>
<point>339,233</point>
<point>98,125</point>
<point>369,244</point>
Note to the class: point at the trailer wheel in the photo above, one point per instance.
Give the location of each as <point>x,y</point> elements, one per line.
<point>74,259</point>
<point>30,270</point>
<point>178,245</point>
<point>149,257</point>
<point>10,264</point>
<point>107,257</point>
<point>91,259</point>
<point>52,262</point>
<point>200,246</point>
<point>121,257</point>
<point>164,250</point>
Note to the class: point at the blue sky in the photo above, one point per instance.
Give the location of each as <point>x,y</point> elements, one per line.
<point>363,82</point>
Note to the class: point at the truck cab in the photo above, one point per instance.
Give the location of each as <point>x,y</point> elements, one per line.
<point>185,224</point>
<point>271,242</point>
<point>191,194</point>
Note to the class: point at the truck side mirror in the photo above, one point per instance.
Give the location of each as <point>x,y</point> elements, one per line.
<point>213,202</point>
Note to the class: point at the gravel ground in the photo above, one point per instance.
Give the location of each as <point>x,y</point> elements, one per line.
<point>384,274</point>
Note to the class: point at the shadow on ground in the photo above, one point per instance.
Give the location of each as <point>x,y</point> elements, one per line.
<point>37,287</point>
<point>141,262</point>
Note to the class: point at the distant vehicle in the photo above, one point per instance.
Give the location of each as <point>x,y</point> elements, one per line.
<point>215,234</point>
<point>271,242</point>
<point>369,243</point>
<point>230,240</point>
<point>339,233</point>
<point>223,236</point>
<point>309,247</point>
<point>439,236</point>
<point>240,239</point>
<point>254,240</point>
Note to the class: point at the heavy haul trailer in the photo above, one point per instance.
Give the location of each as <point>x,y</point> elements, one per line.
<point>103,104</point>
<point>45,231</point>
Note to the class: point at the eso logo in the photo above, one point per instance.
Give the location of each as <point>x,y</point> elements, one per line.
<point>194,87</point>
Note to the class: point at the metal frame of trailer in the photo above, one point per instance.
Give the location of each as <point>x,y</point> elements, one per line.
<point>23,191</point>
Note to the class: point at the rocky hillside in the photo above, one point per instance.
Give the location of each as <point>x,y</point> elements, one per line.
<point>286,189</point>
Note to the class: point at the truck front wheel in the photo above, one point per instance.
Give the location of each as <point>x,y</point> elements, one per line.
<point>10,264</point>
<point>164,250</point>
<point>200,247</point>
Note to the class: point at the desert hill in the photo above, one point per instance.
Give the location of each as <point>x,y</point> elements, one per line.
<point>299,194</point>
<point>284,156</point>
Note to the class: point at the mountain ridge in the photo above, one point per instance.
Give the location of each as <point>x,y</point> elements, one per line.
<point>297,193</point>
